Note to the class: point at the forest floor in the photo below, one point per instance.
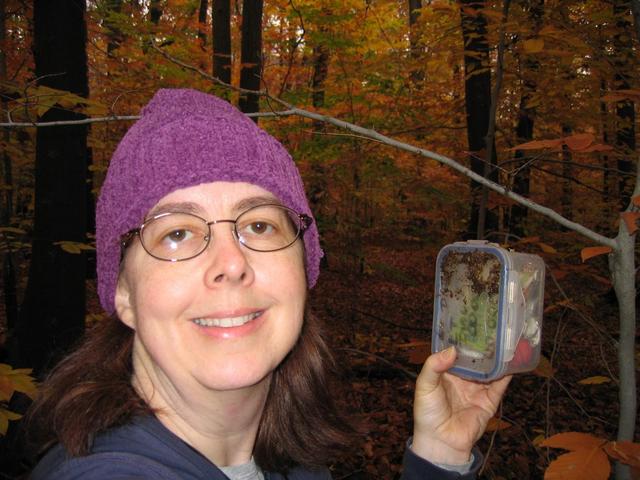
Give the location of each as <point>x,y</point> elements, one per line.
<point>377,321</point>
<point>377,308</point>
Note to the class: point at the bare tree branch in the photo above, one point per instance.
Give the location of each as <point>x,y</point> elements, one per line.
<point>372,135</point>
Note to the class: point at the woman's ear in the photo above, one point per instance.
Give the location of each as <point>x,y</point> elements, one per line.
<point>123,302</point>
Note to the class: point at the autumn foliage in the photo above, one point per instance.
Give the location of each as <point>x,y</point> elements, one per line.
<point>570,68</point>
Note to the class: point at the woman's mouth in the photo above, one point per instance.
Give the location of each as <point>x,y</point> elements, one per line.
<point>227,322</point>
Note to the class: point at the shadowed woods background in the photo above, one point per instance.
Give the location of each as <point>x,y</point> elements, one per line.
<point>537,96</point>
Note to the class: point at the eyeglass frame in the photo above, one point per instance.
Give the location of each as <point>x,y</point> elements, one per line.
<point>305,221</point>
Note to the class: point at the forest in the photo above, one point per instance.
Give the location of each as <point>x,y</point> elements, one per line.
<point>415,124</point>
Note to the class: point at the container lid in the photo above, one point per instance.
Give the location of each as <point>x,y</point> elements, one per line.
<point>471,282</point>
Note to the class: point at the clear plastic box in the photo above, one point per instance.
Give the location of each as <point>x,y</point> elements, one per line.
<point>488,303</point>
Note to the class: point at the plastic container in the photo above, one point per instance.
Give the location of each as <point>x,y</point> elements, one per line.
<point>488,303</point>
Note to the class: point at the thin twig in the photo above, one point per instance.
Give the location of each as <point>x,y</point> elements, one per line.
<point>490,447</point>
<point>408,373</point>
<point>406,327</point>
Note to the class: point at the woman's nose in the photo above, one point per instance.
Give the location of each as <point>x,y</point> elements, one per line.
<point>227,259</point>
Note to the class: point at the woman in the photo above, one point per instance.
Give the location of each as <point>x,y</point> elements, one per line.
<point>211,367</point>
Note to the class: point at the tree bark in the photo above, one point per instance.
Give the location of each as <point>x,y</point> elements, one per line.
<point>8,264</point>
<point>524,130</point>
<point>477,104</point>
<point>251,56</point>
<point>114,33</point>
<point>625,109</point>
<point>222,40</point>
<point>155,11</point>
<point>417,74</point>
<point>202,23</point>
<point>566,199</point>
<point>53,312</point>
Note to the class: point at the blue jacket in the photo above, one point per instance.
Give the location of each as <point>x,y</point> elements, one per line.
<point>145,449</point>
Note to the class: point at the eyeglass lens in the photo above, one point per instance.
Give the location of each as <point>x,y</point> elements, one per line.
<point>180,236</point>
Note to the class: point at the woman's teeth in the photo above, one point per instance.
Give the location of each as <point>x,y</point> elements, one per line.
<point>226,322</point>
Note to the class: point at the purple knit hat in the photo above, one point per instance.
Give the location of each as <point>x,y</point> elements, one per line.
<point>185,138</point>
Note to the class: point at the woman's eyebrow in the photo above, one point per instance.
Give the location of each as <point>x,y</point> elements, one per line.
<point>247,203</point>
<point>194,208</point>
<point>180,207</point>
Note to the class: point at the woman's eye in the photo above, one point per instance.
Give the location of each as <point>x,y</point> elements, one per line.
<point>177,236</point>
<point>260,228</point>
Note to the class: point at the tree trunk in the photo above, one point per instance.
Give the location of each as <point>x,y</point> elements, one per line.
<point>625,110</point>
<point>155,11</point>
<point>623,274</point>
<point>251,56</point>
<point>566,199</point>
<point>114,33</point>
<point>524,130</point>
<point>202,23</point>
<point>417,74</point>
<point>222,40</point>
<point>53,311</point>
<point>477,104</point>
<point>8,265</point>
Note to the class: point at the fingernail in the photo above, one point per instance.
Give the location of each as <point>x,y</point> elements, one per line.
<point>450,351</point>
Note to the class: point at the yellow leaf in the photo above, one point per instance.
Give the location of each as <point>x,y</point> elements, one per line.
<point>538,440</point>
<point>533,45</point>
<point>590,252</point>
<point>588,464</point>
<point>5,416</point>
<point>6,388</point>
<point>17,231</point>
<point>597,380</point>
<point>573,441</point>
<point>25,384</point>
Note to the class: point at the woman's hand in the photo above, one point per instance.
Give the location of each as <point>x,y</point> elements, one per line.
<point>451,414</point>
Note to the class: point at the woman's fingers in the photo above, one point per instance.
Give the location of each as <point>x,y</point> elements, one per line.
<point>434,367</point>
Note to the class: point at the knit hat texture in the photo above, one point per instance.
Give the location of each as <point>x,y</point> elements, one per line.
<point>185,138</point>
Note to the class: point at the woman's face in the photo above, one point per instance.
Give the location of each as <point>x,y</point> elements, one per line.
<point>224,319</point>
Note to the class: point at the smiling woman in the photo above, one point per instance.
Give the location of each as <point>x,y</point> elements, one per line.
<point>210,366</point>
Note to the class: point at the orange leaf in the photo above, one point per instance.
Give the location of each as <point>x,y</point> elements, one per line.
<point>497,424</point>
<point>587,464</point>
<point>538,144</point>
<point>544,368</point>
<point>597,380</point>
<point>636,200</point>
<point>590,252</point>
<point>417,356</point>
<point>630,219</point>
<point>573,441</point>
<point>579,141</point>
<point>547,248</point>
<point>533,45</point>
<point>626,452</point>
<point>597,147</point>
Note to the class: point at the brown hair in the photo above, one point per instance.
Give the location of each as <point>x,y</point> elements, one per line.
<point>90,391</point>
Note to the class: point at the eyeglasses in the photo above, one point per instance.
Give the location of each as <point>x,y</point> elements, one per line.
<point>177,236</point>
